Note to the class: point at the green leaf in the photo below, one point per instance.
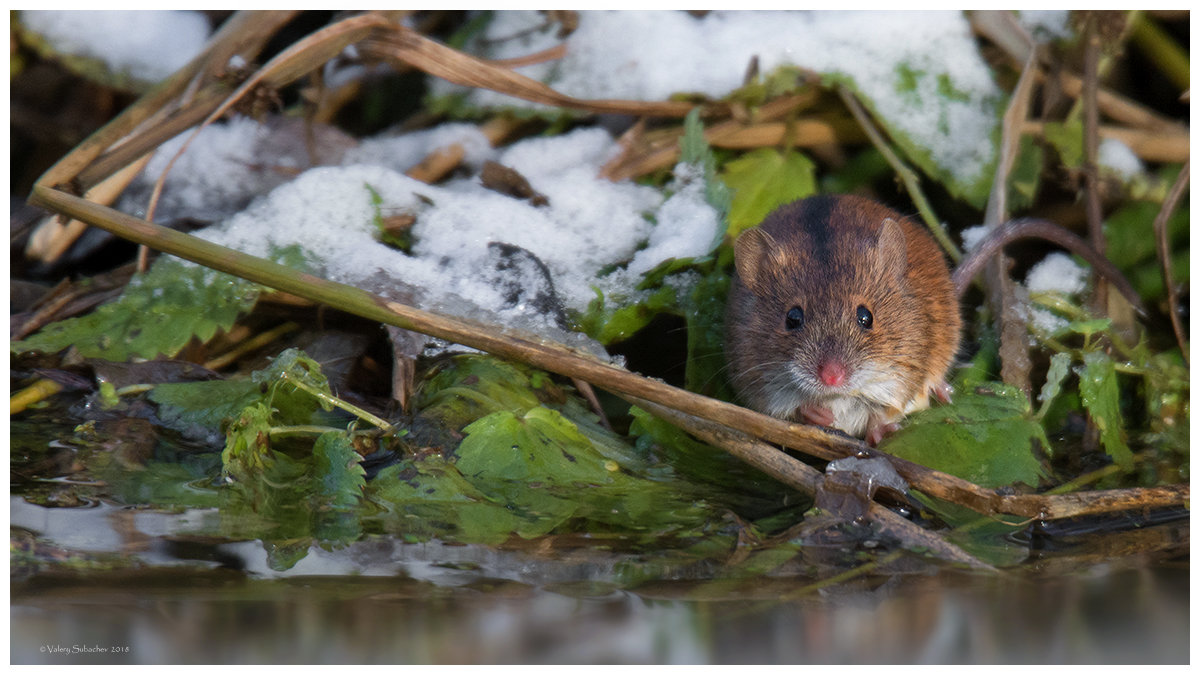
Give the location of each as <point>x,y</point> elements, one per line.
<point>185,405</point>
<point>541,447</point>
<point>694,150</point>
<point>339,469</point>
<point>158,314</point>
<point>986,436</point>
<point>1098,389</point>
<point>1059,367</point>
<point>248,444</point>
<point>934,96</point>
<point>292,404</point>
<point>1067,139</point>
<point>465,388</point>
<point>763,180</point>
<point>430,498</point>
<point>1026,175</point>
<point>725,480</point>
<point>1132,246</point>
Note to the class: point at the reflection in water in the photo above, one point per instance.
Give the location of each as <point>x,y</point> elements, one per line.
<point>1138,614</point>
<point>208,600</point>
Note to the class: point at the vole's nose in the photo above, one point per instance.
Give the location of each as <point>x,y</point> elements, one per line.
<point>832,373</point>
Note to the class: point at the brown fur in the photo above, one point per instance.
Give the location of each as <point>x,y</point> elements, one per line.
<point>828,255</point>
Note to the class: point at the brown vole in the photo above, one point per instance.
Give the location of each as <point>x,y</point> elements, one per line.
<point>842,313</point>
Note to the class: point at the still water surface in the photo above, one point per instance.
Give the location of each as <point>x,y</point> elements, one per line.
<point>380,600</point>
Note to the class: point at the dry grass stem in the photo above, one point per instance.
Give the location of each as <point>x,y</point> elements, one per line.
<point>1164,255</point>
<point>405,46</point>
<point>51,238</point>
<point>912,183</point>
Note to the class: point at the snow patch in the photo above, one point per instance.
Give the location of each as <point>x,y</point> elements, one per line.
<point>146,45</point>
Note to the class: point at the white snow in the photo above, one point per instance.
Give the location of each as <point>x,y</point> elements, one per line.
<point>146,45</point>
<point>1057,272</point>
<point>402,152</point>
<point>651,55</point>
<point>1118,157</point>
<point>1046,24</point>
<point>590,224</point>
<point>973,236</point>
<point>687,226</point>
<point>227,165</point>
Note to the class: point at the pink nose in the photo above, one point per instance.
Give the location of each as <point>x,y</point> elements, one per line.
<point>832,373</point>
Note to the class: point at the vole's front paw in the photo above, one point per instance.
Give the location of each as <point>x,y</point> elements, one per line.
<point>817,414</point>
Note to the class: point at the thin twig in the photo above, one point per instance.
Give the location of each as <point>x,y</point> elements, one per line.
<point>1091,153</point>
<point>1164,254</point>
<point>1015,363</point>
<point>909,177</point>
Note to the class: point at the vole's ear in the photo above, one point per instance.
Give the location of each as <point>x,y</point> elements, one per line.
<point>755,254</point>
<point>892,251</point>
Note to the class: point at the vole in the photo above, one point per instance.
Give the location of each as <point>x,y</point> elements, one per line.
<point>842,313</point>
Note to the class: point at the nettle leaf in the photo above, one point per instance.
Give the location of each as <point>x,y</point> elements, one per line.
<point>764,179</point>
<point>467,387</point>
<point>293,405</point>
<point>723,479</point>
<point>248,444</point>
<point>158,314</point>
<point>540,447</point>
<point>430,498</point>
<point>186,406</point>
<point>339,469</point>
<point>1098,390</point>
<point>986,436</point>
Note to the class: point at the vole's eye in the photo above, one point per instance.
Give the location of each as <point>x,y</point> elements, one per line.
<point>864,317</point>
<point>794,319</point>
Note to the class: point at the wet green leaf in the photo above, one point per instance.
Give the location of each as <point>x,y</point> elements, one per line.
<point>465,388</point>
<point>248,444</point>
<point>158,314</point>
<point>540,447</point>
<point>338,469</point>
<point>723,479</point>
<point>1098,390</point>
<point>184,405</point>
<point>280,379</point>
<point>763,180</point>
<point>986,436</point>
<point>430,499</point>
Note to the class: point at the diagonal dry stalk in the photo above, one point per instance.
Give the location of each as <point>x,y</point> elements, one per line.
<point>1015,363</point>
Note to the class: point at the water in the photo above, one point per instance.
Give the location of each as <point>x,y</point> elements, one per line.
<point>382,601</point>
